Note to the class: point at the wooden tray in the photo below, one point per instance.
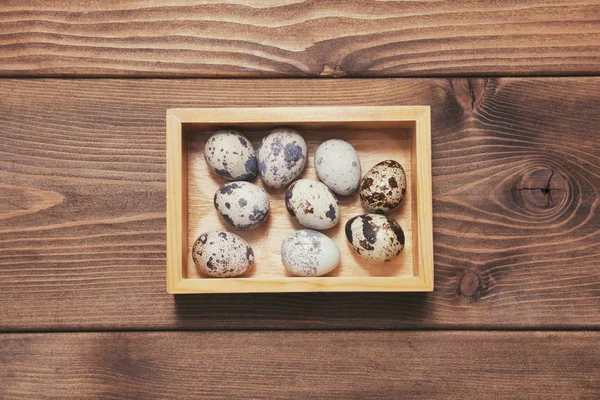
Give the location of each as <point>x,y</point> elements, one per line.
<point>377,133</point>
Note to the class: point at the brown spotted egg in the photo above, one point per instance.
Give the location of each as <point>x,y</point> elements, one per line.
<point>281,157</point>
<point>312,204</point>
<point>222,254</point>
<point>230,154</point>
<point>383,187</point>
<point>375,237</point>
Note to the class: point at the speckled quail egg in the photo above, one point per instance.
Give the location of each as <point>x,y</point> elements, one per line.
<point>338,166</point>
<point>222,254</point>
<point>309,253</point>
<point>312,204</point>
<point>375,237</point>
<point>231,155</point>
<point>383,187</point>
<point>281,157</point>
<point>242,204</point>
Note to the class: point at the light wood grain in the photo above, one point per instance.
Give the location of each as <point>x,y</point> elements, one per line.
<point>377,133</point>
<point>372,146</point>
<point>82,206</point>
<point>300,365</point>
<point>279,38</point>
<point>177,192</point>
<point>422,202</point>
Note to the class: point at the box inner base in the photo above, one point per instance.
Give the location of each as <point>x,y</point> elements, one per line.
<point>373,144</point>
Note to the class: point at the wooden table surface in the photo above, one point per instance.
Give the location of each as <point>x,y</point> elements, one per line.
<point>515,99</point>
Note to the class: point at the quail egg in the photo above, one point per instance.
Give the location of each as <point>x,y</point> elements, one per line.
<point>222,254</point>
<point>281,157</point>
<point>242,204</point>
<point>338,166</point>
<point>375,237</point>
<point>309,253</point>
<point>383,187</point>
<point>312,204</point>
<point>231,155</point>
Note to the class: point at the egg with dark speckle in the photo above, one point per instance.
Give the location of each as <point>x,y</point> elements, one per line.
<point>309,253</point>
<point>338,166</point>
<point>383,187</point>
<point>242,204</point>
<point>312,204</point>
<point>281,157</point>
<point>222,254</point>
<point>230,154</point>
<point>375,237</point>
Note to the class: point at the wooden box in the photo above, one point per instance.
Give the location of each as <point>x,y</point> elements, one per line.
<point>377,133</point>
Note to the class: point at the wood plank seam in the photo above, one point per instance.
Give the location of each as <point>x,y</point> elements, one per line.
<point>345,38</point>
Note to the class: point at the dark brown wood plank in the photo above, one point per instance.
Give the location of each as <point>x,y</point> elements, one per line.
<point>300,365</point>
<point>82,204</point>
<point>283,38</point>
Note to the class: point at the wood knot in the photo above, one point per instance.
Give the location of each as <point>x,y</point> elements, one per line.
<point>470,286</point>
<point>469,92</point>
<point>332,72</point>
<point>17,201</point>
<point>540,189</point>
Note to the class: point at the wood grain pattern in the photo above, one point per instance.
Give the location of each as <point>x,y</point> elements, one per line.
<point>177,195</point>
<point>82,206</point>
<point>279,38</point>
<point>300,365</point>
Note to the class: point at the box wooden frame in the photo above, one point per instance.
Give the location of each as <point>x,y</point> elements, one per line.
<point>417,117</point>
